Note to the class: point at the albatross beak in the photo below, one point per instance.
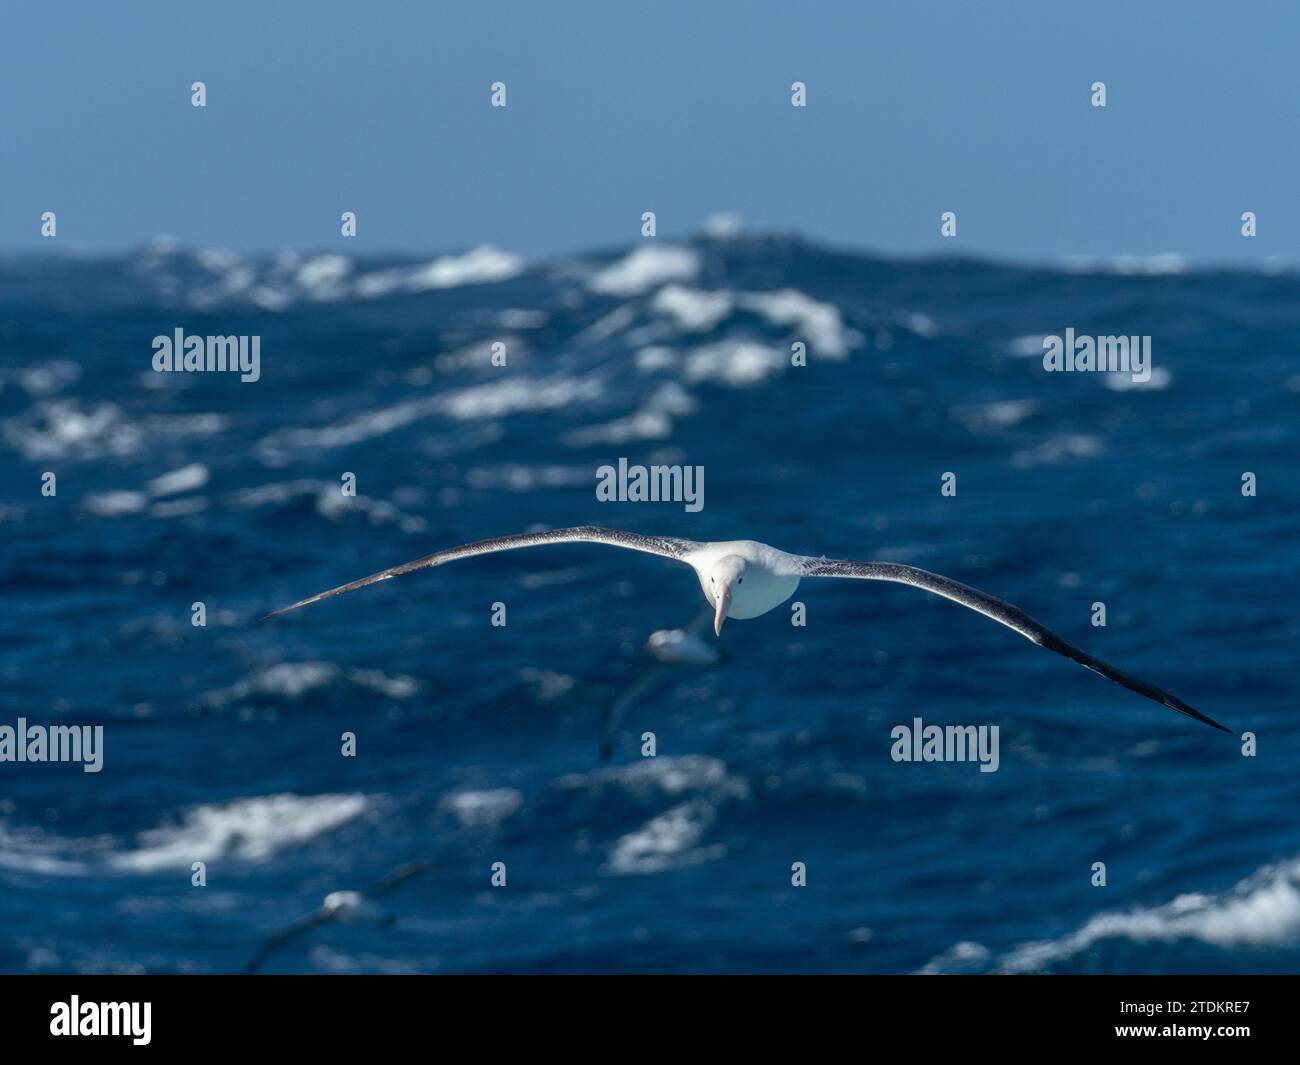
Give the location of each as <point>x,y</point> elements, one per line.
<point>723,605</point>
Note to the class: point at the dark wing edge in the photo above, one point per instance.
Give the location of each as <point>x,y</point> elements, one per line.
<point>666,546</point>
<point>999,610</point>
<point>273,943</point>
<point>613,713</point>
<point>396,878</point>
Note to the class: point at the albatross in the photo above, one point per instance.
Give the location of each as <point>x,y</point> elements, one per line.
<point>745,579</point>
<point>665,650</point>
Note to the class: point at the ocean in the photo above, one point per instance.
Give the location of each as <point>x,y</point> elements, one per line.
<point>474,394</point>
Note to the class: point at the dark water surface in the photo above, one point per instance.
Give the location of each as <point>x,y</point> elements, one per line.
<point>479,744</point>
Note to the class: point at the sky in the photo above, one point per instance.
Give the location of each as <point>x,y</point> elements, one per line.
<point>613,109</point>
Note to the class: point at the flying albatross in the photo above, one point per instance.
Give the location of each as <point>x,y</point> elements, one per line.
<point>745,579</point>
<point>664,651</point>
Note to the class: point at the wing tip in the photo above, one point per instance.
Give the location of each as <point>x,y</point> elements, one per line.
<point>283,610</point>
<point>1196,715</point>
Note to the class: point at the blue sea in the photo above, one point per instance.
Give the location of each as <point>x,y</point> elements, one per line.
<point>477,745</point>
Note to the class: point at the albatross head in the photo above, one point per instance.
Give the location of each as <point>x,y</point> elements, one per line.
<point>726,576</point>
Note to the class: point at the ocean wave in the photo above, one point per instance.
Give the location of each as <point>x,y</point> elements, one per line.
<point>482,809</point>
<point>737,363</point>
<point>647,267</point>
<point>213,279</point>
<point>326,499</point>
<point>177,488</point>
<point>246,830</point>
<point>1262,911</point>
<point>665,775</point>
<point>292,680</point>
<point>668,841</point>
<point>1157,265</point>
<point>818,323</point>
<point>71,429</point>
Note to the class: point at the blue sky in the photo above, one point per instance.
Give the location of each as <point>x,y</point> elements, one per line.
<point>914,108</point>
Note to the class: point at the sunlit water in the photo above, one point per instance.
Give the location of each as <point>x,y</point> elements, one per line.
<point>478,745</point>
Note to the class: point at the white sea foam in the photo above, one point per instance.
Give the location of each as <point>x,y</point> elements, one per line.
<point>357,428</point>
<point>483,265</point>
<point>185,479</point>
<point>1162,263</point>
<point>393,685</point>
<point>641,425</point>
<point>668,841</point>
<point>328,500</point>
<point>1261,911</point>
<point>918,324</point>
<point>179,508</point>
<point>276,493</point>
<point>330,278</point>
<point>522,318</point>
<point>738,363</point>
<point>656,357</point>
<point>270,299</point>
<point>653,421</point>
<point>606,326</point>
<point>1057,449</point>
<point>1028,346</point>
<point>324,278</point>
<point>217,260</point>
<point>1160,379</point>
<point>115,504</point>
<point>547,684</point>
<point>479,266</point>
<point>521,393</point>
<point>482,809</point>
<point>961,957</point>
<point>693,310</point>
<point>819,324</point>
<point>63,428</point>
<point>1000,414</point>
<point>293,680</point>
<point>725,225</point>
<point>34,851</point>
<point>251,829</point>
<point>665,775</point>
<point>42,379</point>
<point>649,266</point>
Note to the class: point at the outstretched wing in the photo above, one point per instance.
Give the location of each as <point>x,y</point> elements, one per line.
<point>614,712</point>
<point>286,935</point>
<point>999,610</point>
<point>660,663</point>
<point>667,546</point>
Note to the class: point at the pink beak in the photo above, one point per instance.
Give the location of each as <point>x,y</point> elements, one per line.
<point>723,605</point>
